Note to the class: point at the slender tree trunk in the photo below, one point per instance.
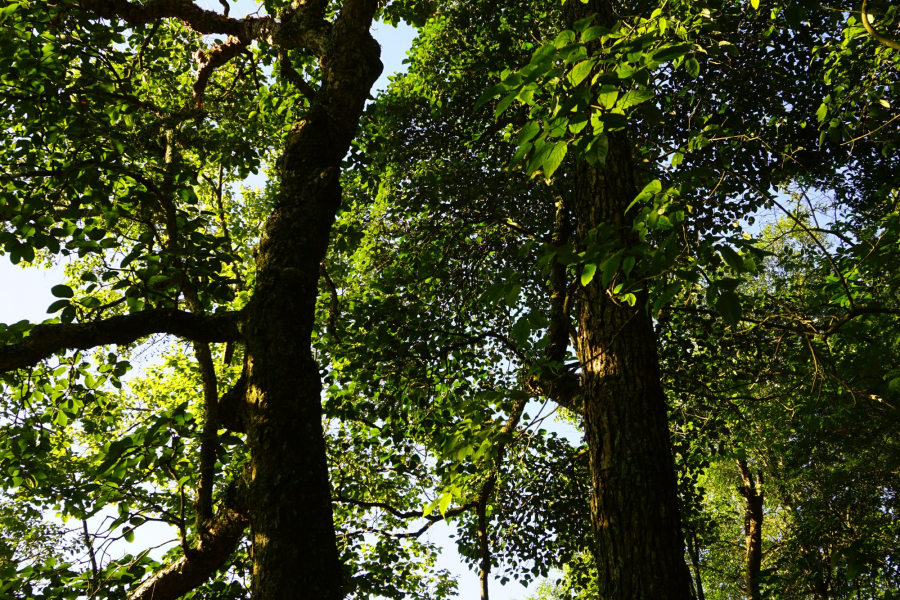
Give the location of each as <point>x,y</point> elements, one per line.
<point>822,583</point>
<point>639,547</point>
<point>484,542</point>
<point>694,551</point>
<point>753,522</point>
<point>294,549</point>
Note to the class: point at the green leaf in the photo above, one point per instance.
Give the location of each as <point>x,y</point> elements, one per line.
<point>666,295</point>
<point>612,121</point>
<point>668,53</point>
<point>610,267</point>
<point>430,508</point>
<point>729,307</point>
<point>583,23</point>
<point>444,503</point>
<point>587,275</point>
<point>593,33</point>
<point>554,158</point>
<point>692,65</point>
<point>564,39</point>
<point>57,306</point>
<point>62,291</point>
<point>650,190</point>
<point>504,104</point>
<point>538,159</point>
<point>489,94</point>
<point>521,331</point>
<point>793,14</point>
<point>129,535</point>
<point>520,154</point>
<point>581,71</point>
<point>578,122</point>
<point>607,96</point>
<point>528,131</point>
<point>543,54</point>
<point>512,296</point>
<point>733,259</point>
<point>654,187</point>
<point>633,98</point>
<point>596,153</point>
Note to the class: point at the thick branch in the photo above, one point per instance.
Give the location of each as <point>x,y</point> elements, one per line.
<point>46,340</point>
<point>305,29</point>
<point>200,20</point>
<point>874,32</point>
<point>556,381</point>
<point>209,444</point>
<point>293,77</point>
<point>209,61</point>
<point>198,564</point>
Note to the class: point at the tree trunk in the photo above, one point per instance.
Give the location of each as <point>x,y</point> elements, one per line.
<point>634,505</point>
<point>753,522</point>
<point>694,552</point>
<point>294,549</point>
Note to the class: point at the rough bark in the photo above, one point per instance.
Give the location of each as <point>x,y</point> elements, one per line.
<point>638,543</point>
<point>295,555</point>
<point>753,522</point>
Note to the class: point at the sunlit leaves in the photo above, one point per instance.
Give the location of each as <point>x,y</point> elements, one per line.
<point>601,87</point>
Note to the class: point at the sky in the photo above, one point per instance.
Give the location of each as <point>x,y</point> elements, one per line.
<point>25,294</point>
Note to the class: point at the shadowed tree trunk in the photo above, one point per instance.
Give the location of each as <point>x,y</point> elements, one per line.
<point>639,547</point>
<point>693,547</point>
<point>753,522</point>
<point>295,555</point>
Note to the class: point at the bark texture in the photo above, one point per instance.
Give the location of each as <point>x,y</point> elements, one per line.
<point>638,542</point>
<point>753,522</point>
<point>295,555</point>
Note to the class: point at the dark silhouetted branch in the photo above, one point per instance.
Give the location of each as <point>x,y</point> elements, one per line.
<point>46,340</point>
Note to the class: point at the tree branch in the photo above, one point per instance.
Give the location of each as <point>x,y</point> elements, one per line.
<point>209,443</point>
<point>554,380</point>
<point>211,60</point>
<point>412,514</point>
<point>200,20</point>
<point>46,340</point>
<point>293,77</point>
<point>874,32</point>
<point>198,564</point>
<point>303,29</point>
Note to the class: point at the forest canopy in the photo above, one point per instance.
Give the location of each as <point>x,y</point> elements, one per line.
<point>673,226</point>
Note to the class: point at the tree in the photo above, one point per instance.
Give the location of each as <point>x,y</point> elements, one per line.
<point>116,112</point>
<point>486,253</point>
